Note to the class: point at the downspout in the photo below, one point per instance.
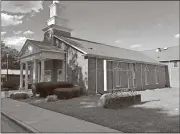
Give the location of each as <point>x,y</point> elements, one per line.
<point>96,75</point>
<point>105,75</point>
<point>170,73</point>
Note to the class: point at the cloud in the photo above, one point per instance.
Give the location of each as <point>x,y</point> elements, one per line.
<point>136,47</point>
<point>21,6</point>
<point>28,32</point>
<point>118,41</point>
<point>15,40</point>
<point>176,36</point>
<point>16,33</point>
<point>7,19</point>
<point>3,33</point>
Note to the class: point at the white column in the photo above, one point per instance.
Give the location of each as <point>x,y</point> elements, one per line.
<point>35,71</point>
<point>105,75</point>
<point>26,76</point>
<point>21,76</point>
<point>42,70</point>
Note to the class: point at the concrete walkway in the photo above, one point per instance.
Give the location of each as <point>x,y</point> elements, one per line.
<point>41,120</point>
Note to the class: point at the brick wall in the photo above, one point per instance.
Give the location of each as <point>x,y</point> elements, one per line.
<point>77,68</point>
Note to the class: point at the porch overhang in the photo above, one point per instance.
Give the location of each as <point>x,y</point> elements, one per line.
<point>43,54</point>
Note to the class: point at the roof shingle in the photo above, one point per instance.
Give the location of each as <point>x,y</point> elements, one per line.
<point>100,49</point>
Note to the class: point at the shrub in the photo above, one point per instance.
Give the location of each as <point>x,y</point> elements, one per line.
<point>47,88</point>
<point>10,85</point>
<point>19,95</point>
<point>51,98</point>
<point>119,99</point>
<point>67,93</point>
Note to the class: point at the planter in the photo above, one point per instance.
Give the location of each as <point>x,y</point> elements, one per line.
<point>123,101</point>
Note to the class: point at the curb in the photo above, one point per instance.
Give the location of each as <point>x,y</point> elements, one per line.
<point>22,124</point>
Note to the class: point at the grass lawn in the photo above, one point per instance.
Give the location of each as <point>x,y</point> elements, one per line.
<point>158,112</point>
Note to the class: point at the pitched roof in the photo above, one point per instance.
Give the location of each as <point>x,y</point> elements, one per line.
<point>172,53</point>
<point>42,45</point>
<point>103,50</point>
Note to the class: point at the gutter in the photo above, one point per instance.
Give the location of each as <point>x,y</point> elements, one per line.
<point>120,59</point>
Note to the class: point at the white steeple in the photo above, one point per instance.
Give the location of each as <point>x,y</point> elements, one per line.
<point>57,14</point>
<point>56,24</point>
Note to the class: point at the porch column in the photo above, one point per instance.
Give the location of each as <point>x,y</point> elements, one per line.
<point>26,76</point>
<point>35,72</point>
<point>21,76</point>
<point>42,70</point>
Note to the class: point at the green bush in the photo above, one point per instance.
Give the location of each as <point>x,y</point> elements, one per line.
<point>19,95</point>
<point>10,85</point>
<point>47,88</point>
<point>67,93</point>
<point>119,99</point>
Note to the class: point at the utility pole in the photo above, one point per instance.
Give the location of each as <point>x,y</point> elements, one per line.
<point>7,63</point>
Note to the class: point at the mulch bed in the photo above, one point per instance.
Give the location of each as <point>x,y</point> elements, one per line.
<point>128,119</point>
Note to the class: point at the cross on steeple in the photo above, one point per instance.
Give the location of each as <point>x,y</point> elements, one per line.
<point>55,1</point>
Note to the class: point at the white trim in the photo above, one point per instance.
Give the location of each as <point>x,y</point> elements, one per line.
<point>105,75</point>
<point>170,71</point>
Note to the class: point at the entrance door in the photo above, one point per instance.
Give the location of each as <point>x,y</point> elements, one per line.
<point>47,77</point>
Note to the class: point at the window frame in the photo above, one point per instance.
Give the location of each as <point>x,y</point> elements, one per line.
<point>174,64</point>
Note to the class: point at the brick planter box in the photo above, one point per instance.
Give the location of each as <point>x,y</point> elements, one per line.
<point>122,101</point>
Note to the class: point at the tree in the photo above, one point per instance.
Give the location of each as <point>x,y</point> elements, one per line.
<point>12,58</point>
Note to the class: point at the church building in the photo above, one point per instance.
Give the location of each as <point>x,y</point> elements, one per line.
<point>97,67</point>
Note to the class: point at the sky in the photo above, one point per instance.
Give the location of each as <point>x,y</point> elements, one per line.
<point>136,25</point>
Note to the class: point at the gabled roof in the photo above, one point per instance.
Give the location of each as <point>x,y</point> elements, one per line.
<point>172,53</point>
<point>41,45</point>
<point>103,50</point>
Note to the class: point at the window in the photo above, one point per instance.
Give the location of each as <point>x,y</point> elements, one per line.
<point>146,75</point>
<point>118,72</point>
<point>175,64</point>
<point>134,74</point>
<point>156,75</point>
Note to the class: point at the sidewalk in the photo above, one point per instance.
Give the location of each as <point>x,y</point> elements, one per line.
<point>42,120</point>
